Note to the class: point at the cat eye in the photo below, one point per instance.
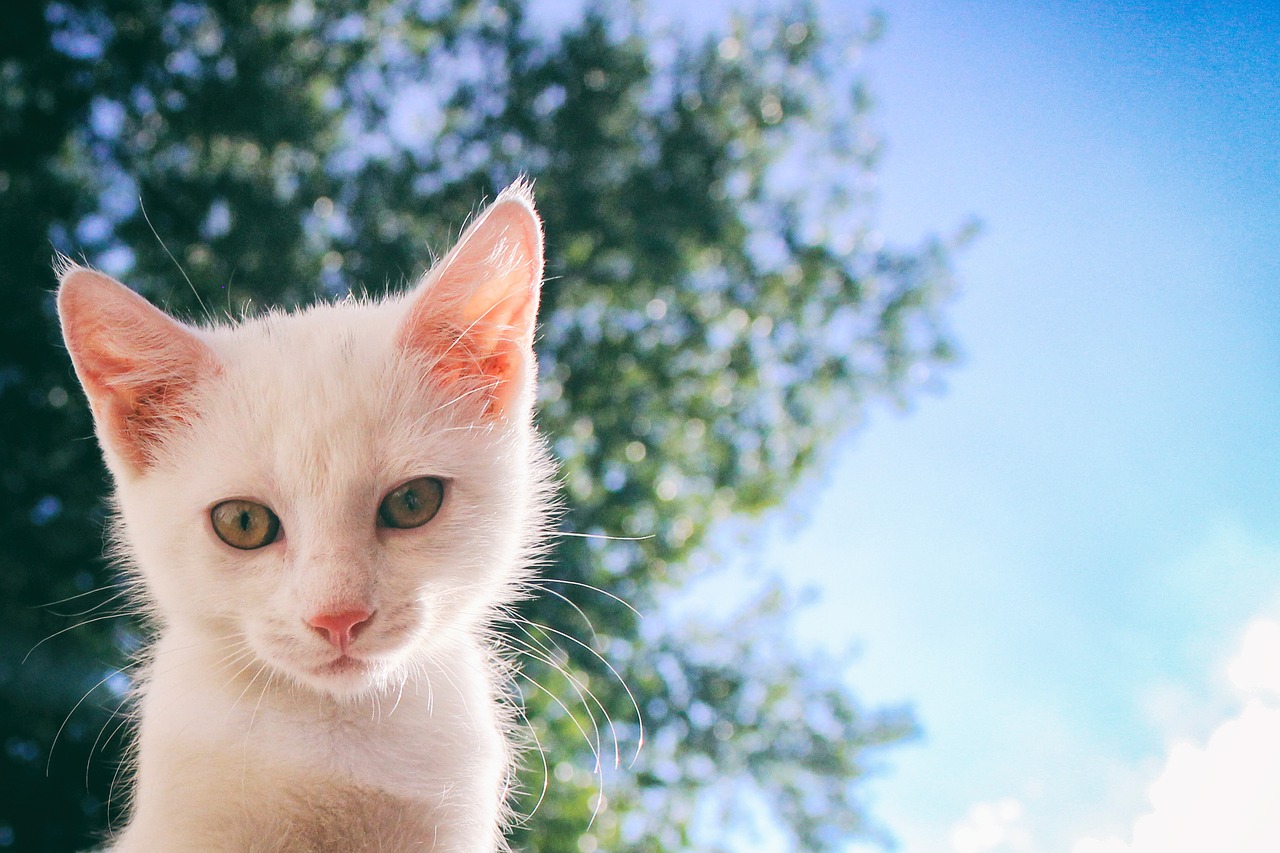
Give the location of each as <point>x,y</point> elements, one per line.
<point>413,504</point>
<point>244,524</point>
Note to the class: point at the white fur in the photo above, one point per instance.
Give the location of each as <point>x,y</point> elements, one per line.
<point>244,743</point>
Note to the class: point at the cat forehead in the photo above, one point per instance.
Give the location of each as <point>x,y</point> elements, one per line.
<point>319,387</point>
<point>344,330</point>
<point>326,403</point>
<point>323,364</point>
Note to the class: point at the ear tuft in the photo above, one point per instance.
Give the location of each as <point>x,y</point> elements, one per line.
<point>138,366</point>
<point>63,266</point>
<point>521,190</point>
<point>472,317</point>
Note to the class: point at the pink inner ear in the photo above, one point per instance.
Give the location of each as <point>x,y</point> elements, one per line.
<point>485,357</point>
<point>138,366</point>
<point>472,320</point>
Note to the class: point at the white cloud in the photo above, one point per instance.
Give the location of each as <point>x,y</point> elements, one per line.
<point>1222,795</point>
<point>1256,670</point>
<point>990,827</point>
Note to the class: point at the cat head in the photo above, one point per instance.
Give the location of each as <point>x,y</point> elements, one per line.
<point>337,491</point>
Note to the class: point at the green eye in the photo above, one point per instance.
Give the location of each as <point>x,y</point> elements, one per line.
<point>413,504</point>
<point>244,524</point>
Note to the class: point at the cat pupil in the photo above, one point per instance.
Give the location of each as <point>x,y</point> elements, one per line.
<point>411,500</point>
<point>245,522</point>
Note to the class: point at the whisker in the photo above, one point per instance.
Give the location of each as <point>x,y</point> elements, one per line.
<point>80,624</point>
<point>261,667</point>
<point>67,718</point>
<point>124,719</point>
<point>538,584</point>
<point>604,536</point>
<point>554,698</point>
<point>116,596</point>
<point>121,586</point>
<point>621,681</point>
<point>585,618</point>
<point>613,731</point>
<point>247,656</point>
<point>542,755</point>
<point>113,794</point>
<point>244,749</point>
<point>262,693</point>
<point>581,689</point>
<point>399,696</point>
<point>234,655</point>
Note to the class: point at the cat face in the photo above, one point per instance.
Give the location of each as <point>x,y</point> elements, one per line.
<point>337,494</point>
<point>317,427</point>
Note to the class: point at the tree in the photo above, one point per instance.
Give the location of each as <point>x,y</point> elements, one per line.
<point>718,313</point>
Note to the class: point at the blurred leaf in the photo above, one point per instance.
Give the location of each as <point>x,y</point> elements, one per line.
<point>719,311</point>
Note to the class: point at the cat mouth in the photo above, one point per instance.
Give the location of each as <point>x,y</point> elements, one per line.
<point>344,665</point>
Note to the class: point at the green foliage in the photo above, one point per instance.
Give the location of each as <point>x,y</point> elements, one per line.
<point>718,312</point>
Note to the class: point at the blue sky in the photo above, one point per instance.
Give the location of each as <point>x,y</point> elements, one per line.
<point>1055,559</point>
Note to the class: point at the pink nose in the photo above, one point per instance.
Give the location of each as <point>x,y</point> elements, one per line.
<point>340,628</point>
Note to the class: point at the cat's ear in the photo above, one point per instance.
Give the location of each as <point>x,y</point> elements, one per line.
<point>137,365</point>
<point>472,317</point>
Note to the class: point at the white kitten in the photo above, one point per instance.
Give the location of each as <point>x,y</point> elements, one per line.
<point>323,513</point>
